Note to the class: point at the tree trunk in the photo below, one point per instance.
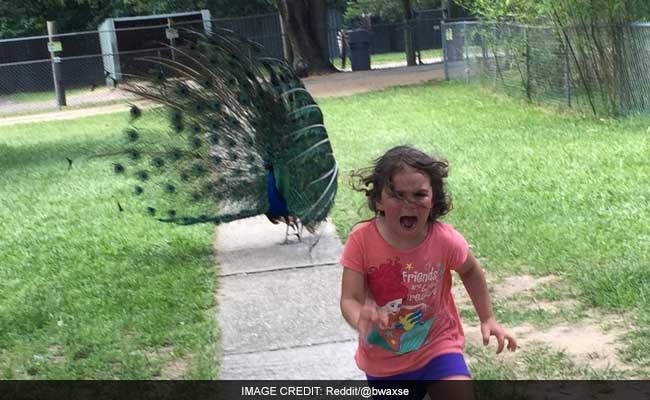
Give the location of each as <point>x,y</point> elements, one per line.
<point>305,24</point>
<point>409,47</point>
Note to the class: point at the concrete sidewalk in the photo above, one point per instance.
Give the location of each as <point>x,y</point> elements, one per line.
<point>278,304</point>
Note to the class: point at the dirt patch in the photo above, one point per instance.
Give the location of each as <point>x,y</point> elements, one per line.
<point>594,342</point>
<point>509,287</point>
<point>174,368</point>
<point>56,354</point>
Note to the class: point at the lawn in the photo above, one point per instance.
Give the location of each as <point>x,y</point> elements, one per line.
<point>28,97</point>
<point>377,60</point>
<point>534,192</point>
<point>87,291</point>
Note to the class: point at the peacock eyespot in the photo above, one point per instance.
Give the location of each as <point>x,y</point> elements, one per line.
<point>171,213</point>
<point>184,176</point>
<point>151,211</point>
<point>198,169</point>
<point>135,111</point>
<point>214,138</point>
<point>134,154</point>
<point>196,143</point>
<point>196,129</point>
<point>158,162</point>
<point>215,105</point>
<point>177,116</point>
<point>118,168</point>
<point>182,91</point>
<point>203,217</point>
<point>216,160</point>
<point>176,154</point>
<point>132,135</point>
<point>207,83</point>
<point>199,108</point>
<point>179,128</point>
<point>169,188</point>
<point>143,175</point>
<point>196,197</point>
<point>138,190</point>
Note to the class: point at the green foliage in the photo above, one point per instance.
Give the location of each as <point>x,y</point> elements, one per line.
<point>568,11</point>
<point>388,11</point>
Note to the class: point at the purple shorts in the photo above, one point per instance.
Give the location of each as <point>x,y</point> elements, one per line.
<point>440,367</point>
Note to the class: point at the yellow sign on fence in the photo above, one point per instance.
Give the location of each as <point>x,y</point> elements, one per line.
<point>54,47</point>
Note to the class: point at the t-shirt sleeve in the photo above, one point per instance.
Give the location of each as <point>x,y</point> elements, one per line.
<point>457,248</point>
<point>352,256</point>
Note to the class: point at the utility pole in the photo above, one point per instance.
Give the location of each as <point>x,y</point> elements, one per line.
<point>55,52</point>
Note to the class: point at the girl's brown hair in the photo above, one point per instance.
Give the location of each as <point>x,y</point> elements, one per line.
<point>371,181</point>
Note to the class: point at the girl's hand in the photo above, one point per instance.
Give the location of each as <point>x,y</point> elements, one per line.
<point>369,317</point>
<point>492,328</point>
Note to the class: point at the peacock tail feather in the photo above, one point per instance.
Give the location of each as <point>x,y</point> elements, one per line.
<point>243,137</point>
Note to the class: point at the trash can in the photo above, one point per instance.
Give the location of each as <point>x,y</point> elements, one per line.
<point>359,43</point>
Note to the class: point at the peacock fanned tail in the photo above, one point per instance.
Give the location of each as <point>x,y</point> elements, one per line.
<point>240,137</point>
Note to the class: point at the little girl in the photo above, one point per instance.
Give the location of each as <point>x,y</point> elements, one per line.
<point>396,289</point>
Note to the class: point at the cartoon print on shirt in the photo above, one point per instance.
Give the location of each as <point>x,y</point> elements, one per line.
<point>407,329</point>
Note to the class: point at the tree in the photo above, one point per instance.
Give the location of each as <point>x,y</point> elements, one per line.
<point>409,48</point>
<point>305,26</point>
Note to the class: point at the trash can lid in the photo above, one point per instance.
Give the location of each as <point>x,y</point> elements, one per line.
<point>358,35</point>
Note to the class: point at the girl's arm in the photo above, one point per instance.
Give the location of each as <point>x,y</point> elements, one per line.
<point>358,309</point>
<point>473,278</point>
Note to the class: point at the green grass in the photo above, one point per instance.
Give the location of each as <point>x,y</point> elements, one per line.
<point>387,58</point>
<point>29,97</point>
<point>534,192</point>
<point>88,292</point>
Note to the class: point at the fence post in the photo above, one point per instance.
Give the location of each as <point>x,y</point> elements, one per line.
<point>528,88</point>
<point>567,73</point>
<point>445,50</point>
<point>59,90</point>
<point>466,48</point>
<point>619,69</point>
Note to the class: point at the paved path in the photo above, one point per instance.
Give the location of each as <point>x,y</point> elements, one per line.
<point>338,84</point>
<point>278,305</point>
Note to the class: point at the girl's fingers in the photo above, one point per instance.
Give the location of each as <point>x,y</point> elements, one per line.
<point>485,331</point>
<point>500,341</point>
<point>512,343</point>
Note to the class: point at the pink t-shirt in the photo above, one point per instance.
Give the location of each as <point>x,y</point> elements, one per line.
<point>414,286</point>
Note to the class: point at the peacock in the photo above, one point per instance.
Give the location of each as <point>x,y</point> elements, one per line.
<point>241,137</point>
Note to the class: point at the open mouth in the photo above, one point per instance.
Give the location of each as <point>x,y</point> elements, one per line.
<point>408,222</point>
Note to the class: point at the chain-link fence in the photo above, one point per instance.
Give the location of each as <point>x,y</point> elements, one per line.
<point>604,70</point>
<point>89,67</point>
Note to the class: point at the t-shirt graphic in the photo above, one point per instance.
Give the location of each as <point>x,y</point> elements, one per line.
<point>408,328</point>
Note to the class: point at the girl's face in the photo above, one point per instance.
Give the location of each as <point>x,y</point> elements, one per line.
<point>406,208</point>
